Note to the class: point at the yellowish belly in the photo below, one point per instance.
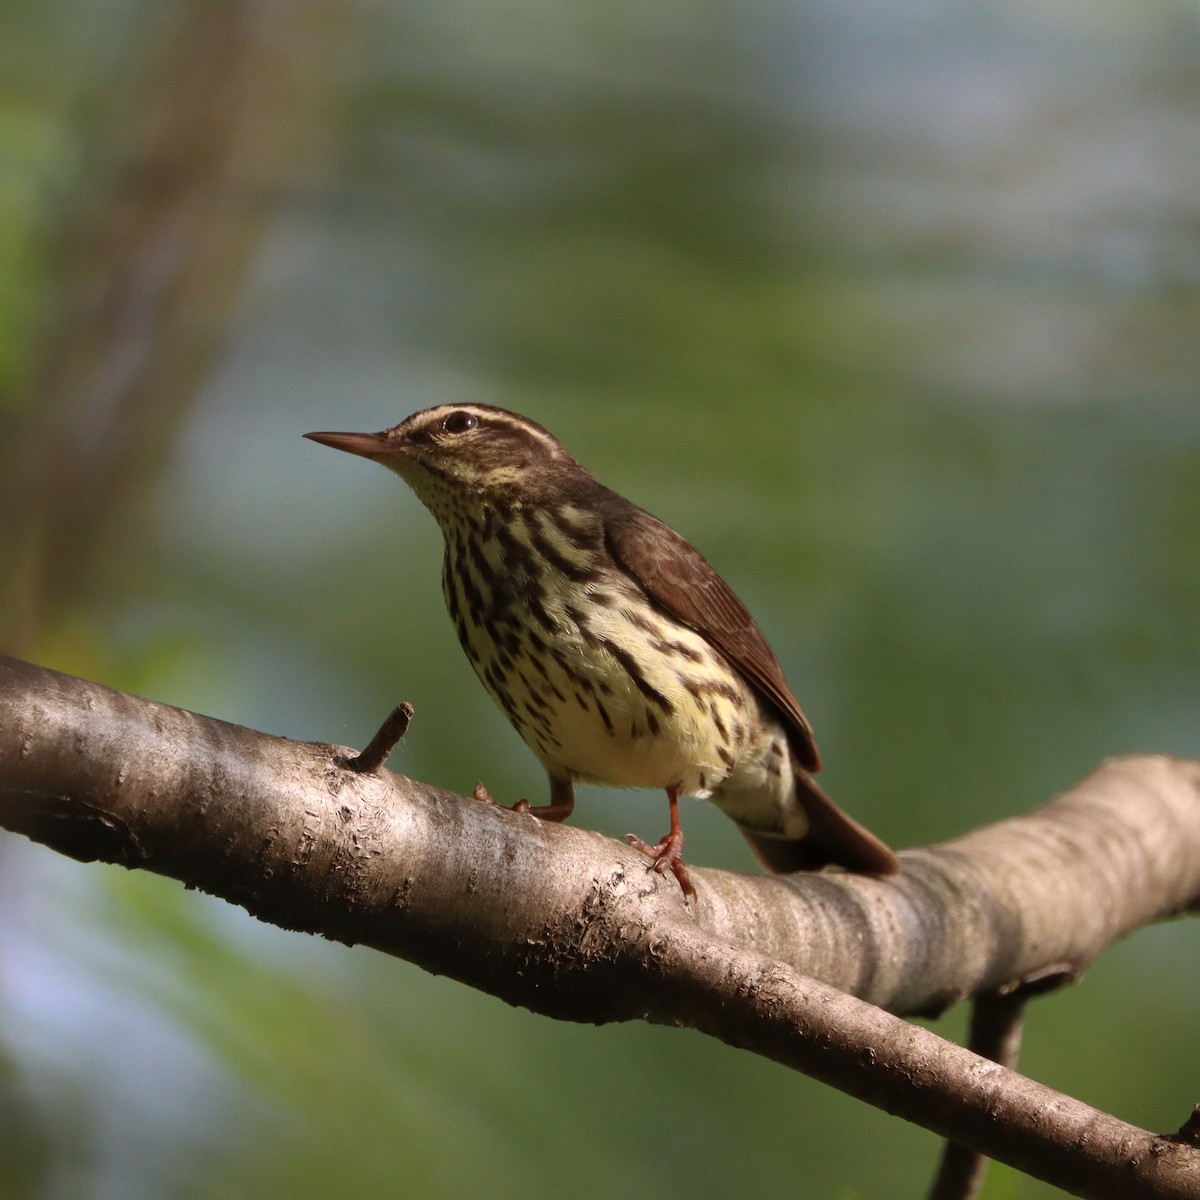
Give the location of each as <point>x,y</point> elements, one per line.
<point>619,694</point>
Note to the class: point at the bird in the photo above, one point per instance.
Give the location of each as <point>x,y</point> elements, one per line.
<point>614,648</point>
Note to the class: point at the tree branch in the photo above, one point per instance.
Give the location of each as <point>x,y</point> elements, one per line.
<point>997,1021</point>
<point>571,924</point>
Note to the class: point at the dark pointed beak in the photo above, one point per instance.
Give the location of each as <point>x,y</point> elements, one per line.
<point>369,445</point>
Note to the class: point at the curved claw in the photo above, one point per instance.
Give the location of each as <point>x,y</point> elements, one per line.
<point>666,852</point>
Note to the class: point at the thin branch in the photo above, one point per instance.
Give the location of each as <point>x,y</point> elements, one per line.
<point>997,1021</point>
<point>571,924</point>
<point>1189,1131</point>
<point>386,739</point>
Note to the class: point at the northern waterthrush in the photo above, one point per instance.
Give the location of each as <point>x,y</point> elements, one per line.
<point>612,645</point>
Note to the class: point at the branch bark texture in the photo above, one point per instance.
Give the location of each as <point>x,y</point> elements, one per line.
<point>571,924</point>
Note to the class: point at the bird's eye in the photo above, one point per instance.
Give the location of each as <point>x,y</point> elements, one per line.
<point>459,422</point>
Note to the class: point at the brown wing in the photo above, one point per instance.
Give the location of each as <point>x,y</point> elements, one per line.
<point>678,577</point>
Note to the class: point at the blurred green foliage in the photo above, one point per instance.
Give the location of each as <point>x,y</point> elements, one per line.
<point>891,311</point>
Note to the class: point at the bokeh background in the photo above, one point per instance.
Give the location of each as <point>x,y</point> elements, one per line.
<point>892,308</point>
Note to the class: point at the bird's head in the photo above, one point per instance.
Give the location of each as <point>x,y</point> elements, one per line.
<point>458,455</point>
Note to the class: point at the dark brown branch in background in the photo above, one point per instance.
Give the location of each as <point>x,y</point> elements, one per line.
<point>152,253</point>
<point>569,923</point>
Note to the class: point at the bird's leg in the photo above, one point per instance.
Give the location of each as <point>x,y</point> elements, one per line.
<point>668,850</point>
<point>561,806</point>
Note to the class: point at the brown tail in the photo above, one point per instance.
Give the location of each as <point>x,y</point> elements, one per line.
<point>832,837</point>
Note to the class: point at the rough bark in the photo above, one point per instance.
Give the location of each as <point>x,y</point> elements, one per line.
<point>571,924</point>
